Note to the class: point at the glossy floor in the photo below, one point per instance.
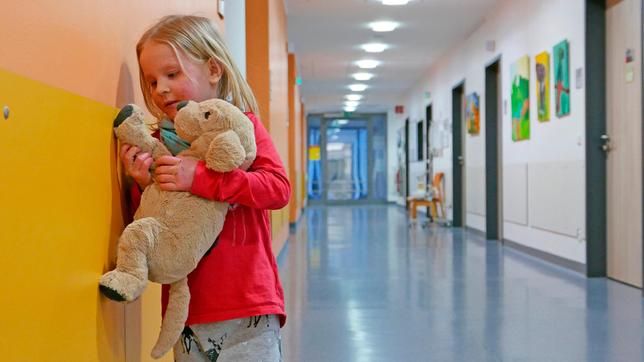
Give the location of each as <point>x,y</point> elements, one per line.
<point>361,285</point>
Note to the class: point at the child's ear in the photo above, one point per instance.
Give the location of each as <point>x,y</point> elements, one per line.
<point>216,71</point>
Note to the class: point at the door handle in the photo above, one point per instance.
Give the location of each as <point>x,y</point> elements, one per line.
<point>461,160</point>
<point>606,145</point>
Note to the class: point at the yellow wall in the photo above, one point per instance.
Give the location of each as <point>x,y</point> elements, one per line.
<point>60,217</point>
<point>65,66</point>
<point>267,74</point>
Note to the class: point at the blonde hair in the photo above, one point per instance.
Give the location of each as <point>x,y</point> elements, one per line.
<point>196,37</point>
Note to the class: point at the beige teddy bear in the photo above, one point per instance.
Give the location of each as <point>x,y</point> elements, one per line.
<point>171,231</point>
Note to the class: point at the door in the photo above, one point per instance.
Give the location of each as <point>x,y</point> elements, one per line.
<point>623,140</point>
<point>492,152</point>
<point>458,160</point>
<point>346,160</point>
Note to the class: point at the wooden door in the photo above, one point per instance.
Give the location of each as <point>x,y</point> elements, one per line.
<point>623,141</point>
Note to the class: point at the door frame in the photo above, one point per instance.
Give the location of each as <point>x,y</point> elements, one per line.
<point>642,76</point>
<point>493,151</point>
<point>429,163</point>
<point>458,174</point>
<point>407,160</point>
<point>596,209</point>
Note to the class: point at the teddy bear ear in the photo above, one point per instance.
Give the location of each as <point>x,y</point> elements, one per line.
<point>123,115</point>
<point>208,118</point>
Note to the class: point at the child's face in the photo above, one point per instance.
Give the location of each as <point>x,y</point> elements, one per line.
<point>172,80</point>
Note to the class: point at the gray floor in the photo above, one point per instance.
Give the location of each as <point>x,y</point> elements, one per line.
<point>362,286</point>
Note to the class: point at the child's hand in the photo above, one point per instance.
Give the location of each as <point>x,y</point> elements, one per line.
<point>137,165</point>
<point>175,173</point>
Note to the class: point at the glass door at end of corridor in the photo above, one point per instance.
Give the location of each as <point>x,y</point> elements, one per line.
<point>343,166</point>
<point>346,160</point>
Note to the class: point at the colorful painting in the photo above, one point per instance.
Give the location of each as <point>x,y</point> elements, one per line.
<point>542,66</point>
<point>561,63</point>
<point>472,114</point>
<point>520,75</point>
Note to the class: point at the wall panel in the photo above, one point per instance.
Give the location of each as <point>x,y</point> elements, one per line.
<point>60,219</point>
<point>557,183</point>
<point>65,66</point>
<point>515,194</point>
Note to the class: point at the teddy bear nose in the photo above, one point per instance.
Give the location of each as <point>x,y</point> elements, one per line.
<point>181,105</point>
<point>123,114</point>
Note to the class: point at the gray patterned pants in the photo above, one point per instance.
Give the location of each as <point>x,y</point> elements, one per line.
<point>245,339</point>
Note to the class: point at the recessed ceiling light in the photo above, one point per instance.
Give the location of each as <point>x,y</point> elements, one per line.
<point>349,109</point>
<point>383,26</point>
<point>354,97</point>
<point>357,87</point>
<point>374,47</point>
<point>367,63</point>
<point>395,2</point>
<point>362,76</point>
<point>351,103</point>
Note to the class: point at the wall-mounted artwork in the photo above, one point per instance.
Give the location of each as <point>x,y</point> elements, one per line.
<point>561,63</point>
<point>542,66</point>
<point>472,114</point>
<point>520,76</point>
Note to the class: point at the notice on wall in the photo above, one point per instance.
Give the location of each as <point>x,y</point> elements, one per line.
<point>630,73</point>
<point>314,153</point>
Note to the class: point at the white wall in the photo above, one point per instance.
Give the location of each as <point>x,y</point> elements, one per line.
<point>543,177</point>
<point>394,123</point>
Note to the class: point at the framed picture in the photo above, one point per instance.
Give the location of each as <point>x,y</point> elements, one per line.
<point>520,76</point>
<point>220,8</point>
<point>542,69</point>
<point>562,78</point>
<point>472,114</point>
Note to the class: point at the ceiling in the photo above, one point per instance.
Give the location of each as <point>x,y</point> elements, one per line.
<point>326,35</point>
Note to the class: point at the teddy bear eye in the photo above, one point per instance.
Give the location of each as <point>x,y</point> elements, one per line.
<point>206,115</point>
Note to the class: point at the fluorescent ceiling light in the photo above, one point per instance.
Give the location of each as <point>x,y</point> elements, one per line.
<point>367,63</point>
<point>351,103</point>
<point>342,121</point>
<point>383,26</point>
<point>374,47</point>
<point>357,87</point>
<point>395,2</point>
<point>362,76</point>
<point>349,109</point>
<point>354,97</point>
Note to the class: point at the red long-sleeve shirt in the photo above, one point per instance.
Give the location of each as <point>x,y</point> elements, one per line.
<point>238,277</point>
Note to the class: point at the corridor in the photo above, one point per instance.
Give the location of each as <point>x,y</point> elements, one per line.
<point>360,285</point>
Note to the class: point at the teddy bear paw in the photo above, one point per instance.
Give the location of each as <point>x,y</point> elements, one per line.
<point>120,286</point>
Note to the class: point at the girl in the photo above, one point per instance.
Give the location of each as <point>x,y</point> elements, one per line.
<point>237,302</point>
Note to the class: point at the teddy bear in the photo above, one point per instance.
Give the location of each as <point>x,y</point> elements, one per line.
<point>171,231</point>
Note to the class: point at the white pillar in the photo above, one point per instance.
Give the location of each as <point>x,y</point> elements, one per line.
<point>235,17</point>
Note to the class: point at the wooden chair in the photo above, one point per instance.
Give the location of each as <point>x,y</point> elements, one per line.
<point>437,198</point>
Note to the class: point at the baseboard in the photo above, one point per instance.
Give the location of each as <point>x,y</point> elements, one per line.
<point>551,258</point>
<point>293,225</point>
<point>476,231</point>
<point>282,255</point>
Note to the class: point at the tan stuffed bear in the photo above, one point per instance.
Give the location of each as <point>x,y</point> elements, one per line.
<point>171,231</point>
